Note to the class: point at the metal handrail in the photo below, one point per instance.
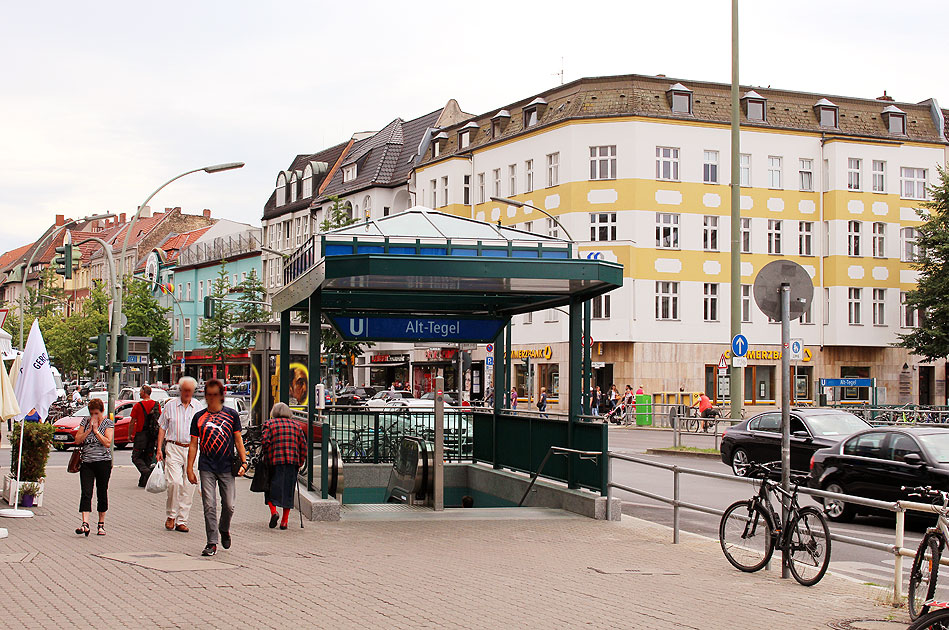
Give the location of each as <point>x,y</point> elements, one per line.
<point>898,507</point>
<point>558,450</point>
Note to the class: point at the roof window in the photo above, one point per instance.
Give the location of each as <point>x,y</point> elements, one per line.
<point>680,99</point>
<point>437,141</point>
<point>466,134</point>
<point>895,120</point>
<point>827,114</point>
<point>755,106</point>
<point>499,122</point>
<point>533,111</point>
<point>349,172</point>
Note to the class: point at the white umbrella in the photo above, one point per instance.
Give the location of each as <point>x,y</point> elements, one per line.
<point>15,369</point>
<point>9,407</point>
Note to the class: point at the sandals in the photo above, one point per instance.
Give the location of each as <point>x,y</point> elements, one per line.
<point>83,529</point>
<point>100,529</point>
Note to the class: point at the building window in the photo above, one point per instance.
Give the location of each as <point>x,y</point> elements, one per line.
<point>909,317</point>
<point>667,230</point>
<point>879,176</point>
<point>298,229</point>
<point>308,182</point>
<point>528,176</point>
<point>853,173</point>
<point>745,225</point>
<point>897,123</point>
<point>853,238</point>
<point>913,183</point>
<point>187,329</point>
<point>281,191</point>
<point>497,182</point>
<point>681,99</point>
<point>744,170</point>
<point>826,306</point>
<point>667,163</point>
<point>288,234</point>
<point>710,233</point>
<point>445,191</point>
<point>200,291</point>
<point>774,236</point>
<point>827,116</point>
<point>807,317</point>
<point>805,238</point>
<point>667,300</point>
<point>188,292</point>
<point>710,302</point>
<point>553,169</point>
<point>293,188</point>
<point>530,117</point>
<point>481,197</point>
<point>466,190</point>
<point>853,305</point>
<point>603,226</point>
<point>603,162</point>
<point>349,172</point>
<point>434,184</point>
<point>910,245</point>
<point>528,317</point>
<point>550,315</point>
<point>495,128</point>
<point>601,307</point>
<point>774,171</point>
<point>529,226</point>
<point>879,240</point>
<point>755,110</point>
<point>177,328</point>
<point>512,180</point>
<point>746,303</point>
<point>879,307</point>
<point>552,230</point>
<point>807,174</point>
<point>464,139</point>
<point>710,167</point>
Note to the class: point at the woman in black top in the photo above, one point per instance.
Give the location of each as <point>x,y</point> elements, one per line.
<point>95,439</point>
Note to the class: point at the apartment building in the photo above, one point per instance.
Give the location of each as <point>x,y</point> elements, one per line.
<point>636,169</point>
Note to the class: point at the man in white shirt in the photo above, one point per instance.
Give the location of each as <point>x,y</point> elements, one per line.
<point>174,438</point>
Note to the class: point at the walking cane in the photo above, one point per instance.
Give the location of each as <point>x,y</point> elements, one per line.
<point>300,504</point>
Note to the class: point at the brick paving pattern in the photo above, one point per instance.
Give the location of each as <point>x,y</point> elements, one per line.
<point>564,573</point>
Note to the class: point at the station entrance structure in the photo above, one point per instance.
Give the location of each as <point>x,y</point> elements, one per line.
<point>423,275</point>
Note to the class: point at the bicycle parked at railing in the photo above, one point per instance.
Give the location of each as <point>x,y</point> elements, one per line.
<point>253,447</point>
<point>751,530</point>
<point>922,577</point>
<point>936,619</point>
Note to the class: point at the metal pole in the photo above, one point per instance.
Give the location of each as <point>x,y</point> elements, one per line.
<point>898,558</point>
<point>588,383</point>
<point>736,391</point>
<point>675,505</point>
<point>785,411</point>
<point>609,488</point>
<point>439,489</point>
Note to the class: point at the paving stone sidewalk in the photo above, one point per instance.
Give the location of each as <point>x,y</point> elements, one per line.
<point>447,573</point>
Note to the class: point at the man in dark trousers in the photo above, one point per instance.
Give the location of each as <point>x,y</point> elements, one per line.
<point>145,414</point>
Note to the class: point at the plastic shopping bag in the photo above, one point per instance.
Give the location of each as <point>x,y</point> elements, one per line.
<point>156,481</point>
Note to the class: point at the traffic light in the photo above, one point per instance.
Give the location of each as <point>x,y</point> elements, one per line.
<point>208,307</point>
<point>63,262</point>
<point>122,350</point>
<point>99,352</point>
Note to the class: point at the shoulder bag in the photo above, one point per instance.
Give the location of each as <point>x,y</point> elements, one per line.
<point>74,460</point>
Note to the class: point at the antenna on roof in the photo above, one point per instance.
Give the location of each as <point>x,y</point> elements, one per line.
<point>560,74</point>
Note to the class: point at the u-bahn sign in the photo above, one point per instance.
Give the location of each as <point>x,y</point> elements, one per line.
<point>379,328</point>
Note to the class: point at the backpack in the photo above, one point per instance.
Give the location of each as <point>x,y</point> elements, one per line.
<point>151,421</point>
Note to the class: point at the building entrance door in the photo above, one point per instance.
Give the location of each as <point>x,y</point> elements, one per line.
<point>927,374</point>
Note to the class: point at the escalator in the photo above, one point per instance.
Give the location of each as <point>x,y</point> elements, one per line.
<point>412,478</point>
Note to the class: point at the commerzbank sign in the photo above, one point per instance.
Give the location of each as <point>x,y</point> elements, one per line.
<point>533,353</point>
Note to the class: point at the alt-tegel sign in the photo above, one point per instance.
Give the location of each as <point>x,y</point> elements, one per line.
<point>369,328</point>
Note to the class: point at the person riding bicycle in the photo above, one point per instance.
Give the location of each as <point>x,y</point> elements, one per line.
<point>706,409</point>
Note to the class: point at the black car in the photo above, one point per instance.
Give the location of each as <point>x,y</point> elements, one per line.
<point>875,463</point>
<point>353,396</point>
<point>758,439</point>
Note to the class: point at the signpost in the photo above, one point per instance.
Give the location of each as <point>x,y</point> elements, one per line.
<point>357,327</point>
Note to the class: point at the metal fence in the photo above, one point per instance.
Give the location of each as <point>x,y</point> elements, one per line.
<point>899,508</point>
<point>897,414</point>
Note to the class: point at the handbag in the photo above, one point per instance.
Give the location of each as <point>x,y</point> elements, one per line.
<point>74,460</point>
<point>262,477</point>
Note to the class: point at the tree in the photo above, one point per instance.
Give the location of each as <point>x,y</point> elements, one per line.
<point>338,215</point>
<point>146,318</point>
<point>217,333</point>
<point>931,338</point>
<point>252,290</point>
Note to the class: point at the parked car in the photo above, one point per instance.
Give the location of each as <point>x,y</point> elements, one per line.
<point>133,394</point>
<point>66,428</point>
<point>381,399</point>
<point>877,462</point>
<point>240,406</point>
<point>450,397</point>
<point>758,439</point>
<point>351,396</point>
<point>101,394</point>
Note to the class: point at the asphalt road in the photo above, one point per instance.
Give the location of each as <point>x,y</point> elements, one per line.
<point>860,563</point>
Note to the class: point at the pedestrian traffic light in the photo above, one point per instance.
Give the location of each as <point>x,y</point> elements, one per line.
<point>122,350</point>
<point>208,307</point>
<point>99,351</point>
<point>63,262</point>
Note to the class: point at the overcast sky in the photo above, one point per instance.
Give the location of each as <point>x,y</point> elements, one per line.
<point>104,101</point>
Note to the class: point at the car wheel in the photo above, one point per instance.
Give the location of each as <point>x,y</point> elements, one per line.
<point>837,510</point>
<point>740,461</point>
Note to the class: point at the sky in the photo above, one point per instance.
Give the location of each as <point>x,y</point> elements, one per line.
<point>102,102</point>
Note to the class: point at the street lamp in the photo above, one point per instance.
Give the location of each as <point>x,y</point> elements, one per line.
<point>521,204</point>
<point>273,251</point>
<point>117,304</point>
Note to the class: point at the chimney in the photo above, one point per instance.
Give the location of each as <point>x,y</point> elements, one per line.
<point>146,212</point>
<point>207,213</point>
<point>885,97</point>
<point>60,219</point>
<point>122,218</point>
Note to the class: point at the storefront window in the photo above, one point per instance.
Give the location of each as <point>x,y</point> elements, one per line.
<point>717,384</point>
<point>855,393</point>
<point>759,384</point>
<point>520,380</point>
<point>550,378</point>
<point>803,377</point>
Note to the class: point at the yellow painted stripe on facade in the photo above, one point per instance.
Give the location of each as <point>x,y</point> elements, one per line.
<point>837,205</point>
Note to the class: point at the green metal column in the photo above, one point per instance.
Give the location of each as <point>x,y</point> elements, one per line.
<point>284,357</point>
<point>587,361</point>
<point>313,362</point>
<point>576,332</point>
<point>507,363</point>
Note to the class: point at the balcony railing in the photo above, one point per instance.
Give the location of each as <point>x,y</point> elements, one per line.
<point>299,261</point>
<point>221,248</point>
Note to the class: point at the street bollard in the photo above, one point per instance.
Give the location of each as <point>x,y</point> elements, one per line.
<point>675,505</point>
<point>898,558</point>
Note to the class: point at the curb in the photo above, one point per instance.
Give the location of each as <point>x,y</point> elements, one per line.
<point>669,451</point>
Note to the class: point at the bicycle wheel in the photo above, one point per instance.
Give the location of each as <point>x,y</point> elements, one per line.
<point>809,541</point>
<point>936,620</point>
<point>692,425</point>
<point>253,451</point>
<point>922,577</point>
<point>745,536</point>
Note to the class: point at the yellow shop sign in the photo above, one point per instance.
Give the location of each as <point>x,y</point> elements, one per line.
<point>767,355</point>
<point>532,353</point>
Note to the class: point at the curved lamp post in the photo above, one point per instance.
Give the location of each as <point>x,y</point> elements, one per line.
<point>521,204</point>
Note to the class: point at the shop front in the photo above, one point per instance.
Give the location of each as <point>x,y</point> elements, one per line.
<point>534,367</point>
<point>389,370</point>
<point>432,363</point>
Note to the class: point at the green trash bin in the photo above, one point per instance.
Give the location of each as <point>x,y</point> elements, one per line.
<point>643,410</point>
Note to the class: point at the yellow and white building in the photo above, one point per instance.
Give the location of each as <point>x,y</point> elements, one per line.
<point>636,168</point>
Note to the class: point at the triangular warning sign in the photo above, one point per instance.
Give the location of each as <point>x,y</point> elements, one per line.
<point>722,365</point>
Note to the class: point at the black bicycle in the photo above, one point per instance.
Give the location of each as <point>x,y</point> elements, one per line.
<point>253,448</point>
<point>936,619</point>
<point>922,577</point>
<point>751,530</point>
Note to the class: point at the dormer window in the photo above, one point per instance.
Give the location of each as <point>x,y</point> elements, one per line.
<point>755,106</point>
<point>826,113</point>
<point>466,134</point>
<point>530,117</point>
<point>533,112</point>
<point>499,121</point>
<point>293,186</point>
<point>349,173</point>
<point>895,120</point>
<point>281,191</point>
<point>308,181</point>
<point>680,99</point>
<point>437,143</point>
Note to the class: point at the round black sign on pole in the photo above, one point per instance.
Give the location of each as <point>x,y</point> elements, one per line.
<point>767,289</point>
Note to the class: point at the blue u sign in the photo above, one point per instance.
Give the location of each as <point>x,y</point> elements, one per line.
<point>377,328</point>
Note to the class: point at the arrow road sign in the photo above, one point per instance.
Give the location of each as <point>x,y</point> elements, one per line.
<point>739,345</point>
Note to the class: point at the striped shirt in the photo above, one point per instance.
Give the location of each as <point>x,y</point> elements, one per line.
<point>94,450</point>
<point>176,419</point>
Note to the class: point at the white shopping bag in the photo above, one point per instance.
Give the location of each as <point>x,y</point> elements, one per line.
<point>156,481</point>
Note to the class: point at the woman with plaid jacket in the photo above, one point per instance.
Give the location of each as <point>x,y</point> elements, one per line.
<point>284,445</point>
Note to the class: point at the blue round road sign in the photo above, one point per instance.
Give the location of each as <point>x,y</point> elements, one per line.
<point>739,345</point>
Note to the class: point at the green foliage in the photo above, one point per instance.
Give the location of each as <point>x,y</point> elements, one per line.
<point>338,215</point>
<point>146,318</point>
<point>217,333</point>
<point>252,289</point>
<point>39,438</point>
<point>931,338</point>
<point>28,488</point>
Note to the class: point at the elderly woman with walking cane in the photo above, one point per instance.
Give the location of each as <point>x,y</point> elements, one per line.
<point>283,442</point>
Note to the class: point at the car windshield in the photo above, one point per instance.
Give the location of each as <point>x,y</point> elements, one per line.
<point>938,446</point>
<point>81,413</point>
<point>159,394</point>
<point>835,424</point>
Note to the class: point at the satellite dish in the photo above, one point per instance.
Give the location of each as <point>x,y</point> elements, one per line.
<point>767,289</point>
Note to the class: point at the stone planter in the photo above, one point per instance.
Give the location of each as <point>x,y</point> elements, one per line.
<point>11,486</point>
